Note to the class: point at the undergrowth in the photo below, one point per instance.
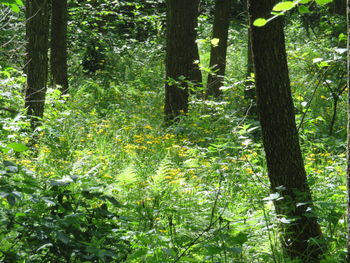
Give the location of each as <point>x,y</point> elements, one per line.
<point>103,180</point>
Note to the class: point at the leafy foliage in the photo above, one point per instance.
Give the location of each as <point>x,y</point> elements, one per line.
<point>102,180</point>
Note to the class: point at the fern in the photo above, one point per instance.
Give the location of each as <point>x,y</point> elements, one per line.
<point>128,175</point>
<point>160,175</point>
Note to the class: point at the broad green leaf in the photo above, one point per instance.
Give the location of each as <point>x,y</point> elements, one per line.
<point>15,8</point>
<point>20,214</point>
<point>260,22</point>
<point>4,150</point>
<point>283,6</point>
<point>17,147</point>
<point>304,1</point>
<point>113,201</point>
<point>342,37</point>
<point>303,9</point>
<point>240,238</point>
<point>323,64</point>
<point>323,2</point>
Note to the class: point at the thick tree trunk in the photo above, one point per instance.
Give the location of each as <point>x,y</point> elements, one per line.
<point>37,30</point>
<point>280,137</point>
<point>339,7</point>
<point>59,44</point>
<point>348,152</point>
<point>218,52</point>
<point>181,54</point>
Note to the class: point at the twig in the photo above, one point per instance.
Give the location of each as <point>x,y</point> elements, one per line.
<point>9,110</point>
<point>211,223</point>
<point>312,96</point>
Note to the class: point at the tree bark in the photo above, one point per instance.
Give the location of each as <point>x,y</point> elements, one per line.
<point>181,54</point>
<point>218,52</point>
<point>58,59</point>
<point>348,130</point>
<point>37,30</point>
<point>280,136</point>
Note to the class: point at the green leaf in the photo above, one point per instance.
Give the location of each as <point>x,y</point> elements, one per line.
<point>215,42</point>
<point>170,252</point>
<point>213,250</point>
<point>283,6</point>
<point>66,180</point>
<point>15,8</point>
<point>285,220</point>
<point>10,167</point>
<point>113,201</point>
<point>62,237</point>
<point>260,22</point>
<point>303,9</point>
<point>18,147</point>
<point>11,200</point>
<point>323,2</point>
<point>44,246</point>
<point>9,163</point>
<point>138,253</point>
<point>342,37</point>
<point>240,238</point>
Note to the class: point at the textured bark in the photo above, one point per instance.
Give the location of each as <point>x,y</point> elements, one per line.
<point>218,53</point>
<point>181,54</point>
<point>339,7</point>
<point>59,44</point>
<point>348,150</point>
<point>36,65</point>
<point>280,136</point>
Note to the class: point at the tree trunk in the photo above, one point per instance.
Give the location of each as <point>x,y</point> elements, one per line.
<point>59,44</point>
<point>218,52</point>
<point>37,30</point>
<point>250,63</point>
<point>339,7</point>
<point>181,54</point>
<point>280,136</point>
<point>348,152</point>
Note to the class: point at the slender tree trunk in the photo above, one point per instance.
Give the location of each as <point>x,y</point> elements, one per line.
<point>250,63</point>
<point>218,52</point>
<point>59,44</point>
<point>37,30</point>
<point>181,54</point>
<point>334,116</point>
<point>280,136</point>
<point>348,152</point>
